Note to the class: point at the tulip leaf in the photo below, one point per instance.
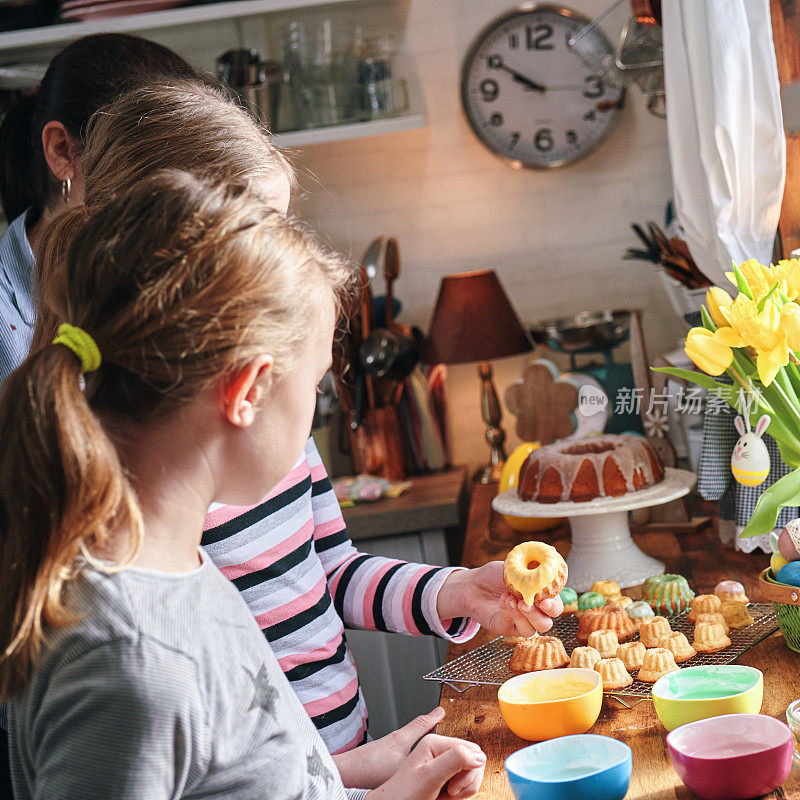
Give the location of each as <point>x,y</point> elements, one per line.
<point>763,301</point>
<point>708,323</point>
<point>725,391</point>
<point>784,492</point>
<point>741,282</point>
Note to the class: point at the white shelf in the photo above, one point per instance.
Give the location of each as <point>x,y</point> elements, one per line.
<point>354,130</point>
<point>53,34</point>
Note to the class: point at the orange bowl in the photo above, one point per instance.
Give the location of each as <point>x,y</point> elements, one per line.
<point>550,703</point>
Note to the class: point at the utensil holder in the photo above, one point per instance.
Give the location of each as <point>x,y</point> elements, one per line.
<point>786,602</point>
<point>377,444</point>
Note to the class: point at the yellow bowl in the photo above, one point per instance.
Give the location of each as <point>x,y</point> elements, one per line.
<point>509,480</point>
<point>537,720</point>
<point>710,690</point>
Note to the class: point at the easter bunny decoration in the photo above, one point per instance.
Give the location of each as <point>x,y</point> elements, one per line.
<point>750,459</point>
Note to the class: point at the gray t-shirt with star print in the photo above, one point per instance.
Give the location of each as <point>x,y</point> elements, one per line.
<point>164,688</point>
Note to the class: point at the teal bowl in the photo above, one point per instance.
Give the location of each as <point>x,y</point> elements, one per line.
<point>581,767</point>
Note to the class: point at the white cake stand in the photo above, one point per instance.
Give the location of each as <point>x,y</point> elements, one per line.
<point>602,548</point>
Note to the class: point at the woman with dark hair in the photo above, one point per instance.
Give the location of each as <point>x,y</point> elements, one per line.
<point>41,140</point>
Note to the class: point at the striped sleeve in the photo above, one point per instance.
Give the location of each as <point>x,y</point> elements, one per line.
<point>372,592</point>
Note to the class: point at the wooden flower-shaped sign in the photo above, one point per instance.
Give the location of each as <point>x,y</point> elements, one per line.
<point>542,404</point>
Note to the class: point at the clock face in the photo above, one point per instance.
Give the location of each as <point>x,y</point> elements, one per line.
<point>529,96</point>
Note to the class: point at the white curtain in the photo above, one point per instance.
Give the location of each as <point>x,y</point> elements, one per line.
<point>726,142</point>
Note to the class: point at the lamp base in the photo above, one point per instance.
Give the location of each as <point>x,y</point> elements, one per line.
<point>489,474</point>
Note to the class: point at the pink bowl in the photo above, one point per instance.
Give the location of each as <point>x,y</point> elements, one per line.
<point>732,757</point>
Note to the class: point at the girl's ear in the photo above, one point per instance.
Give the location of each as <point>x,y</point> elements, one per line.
<point>242,391</point>
<point>60,150</point>
<point>739,425</point>
<point>762,424</point>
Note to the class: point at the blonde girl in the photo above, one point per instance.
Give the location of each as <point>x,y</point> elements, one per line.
<point>200,321</point>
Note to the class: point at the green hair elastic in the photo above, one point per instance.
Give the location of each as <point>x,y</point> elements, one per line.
<point>84,347</point>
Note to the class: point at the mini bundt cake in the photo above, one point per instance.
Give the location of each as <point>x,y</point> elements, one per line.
<point>605,642</point>
<point>631,654</point>
<point>534,571</point>
<point>715,618</point>
<point>569,597</point>
<point>517,639</point>
<point>677,643</point>
<point>709,638</point>
<point>652,630</point>
<point>613,673</point>
<point>584,657</point>
<point>657,662</point>
<point>623,601</point>
<point>667,594</point>
<point>736,614</point>
<point>639,611</point>
<point>731,590</point>
<point>703,604</point>
<point>589,600</point>
<point>610,618</point>
<point>585,469</point>
<point>540,652</point>
<point>608,589</point>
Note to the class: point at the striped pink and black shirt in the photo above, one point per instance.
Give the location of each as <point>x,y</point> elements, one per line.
<point>297,570</point>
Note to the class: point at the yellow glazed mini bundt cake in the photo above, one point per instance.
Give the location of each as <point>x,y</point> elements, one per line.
<point>605,642</point>
<point>534,571</point>
<point>652,630</point>
<point>631,654</point>
<point>656,663</point>
<point>716,619</point>
<point>610,618</point>
<point>613,673</point>
<point>736,614</point>
<point>709,638</point>
<point>623,601</point>
<point>703,604</point>
<point>608,589</point>
<point>584,657</point>
<point>678,645</point>
<point>731,590</point>
<point>541,652</point>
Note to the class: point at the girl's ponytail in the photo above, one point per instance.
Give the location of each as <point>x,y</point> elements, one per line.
<point>62,490</point>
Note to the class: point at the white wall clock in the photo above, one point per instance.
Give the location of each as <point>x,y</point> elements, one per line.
<point>529,97</point>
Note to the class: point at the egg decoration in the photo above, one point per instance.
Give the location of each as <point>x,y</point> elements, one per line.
<point>777,562</point>
<point>790,574</point>
<point>750,462</point>
<point>789,541</point>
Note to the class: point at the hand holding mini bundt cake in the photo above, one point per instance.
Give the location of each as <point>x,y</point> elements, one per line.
<point>585,469</point>
<point>534,571</point>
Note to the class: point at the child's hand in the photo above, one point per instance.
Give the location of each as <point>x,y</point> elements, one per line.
<point>481,594</point>
<point>372,764</point>
<point>438,768</point>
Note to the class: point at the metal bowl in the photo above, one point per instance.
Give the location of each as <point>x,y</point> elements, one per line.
<point>586,331</point>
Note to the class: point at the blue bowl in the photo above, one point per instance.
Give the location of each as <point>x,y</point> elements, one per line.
<point>582,767</point>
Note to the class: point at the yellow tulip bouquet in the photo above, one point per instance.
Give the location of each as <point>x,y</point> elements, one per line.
<point>755,339</point>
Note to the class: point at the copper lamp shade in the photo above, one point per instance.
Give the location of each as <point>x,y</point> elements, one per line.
<point>474,321</point>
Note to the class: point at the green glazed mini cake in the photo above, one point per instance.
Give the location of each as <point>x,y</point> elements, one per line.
<point>667,594</point>
<point>570,599</point>
<point>590,600</point>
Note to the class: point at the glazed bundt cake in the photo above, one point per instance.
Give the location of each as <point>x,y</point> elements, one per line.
<point>709,638</point>
<point>584,657</point>
<point>736,614</point>
<point>621,600</point>
<point>585,469</point>
<point>608,589</point>
<point>613,673</point>
<point>667,594</point>
<point>540,652</point>
<point>677,643</point>
<point>651,630</point>
<point>657,662</point>
<point>610,618</point>
<point>605,642</point>
<point>731,590</point>
<point>589,600</point>
<point>534,571</point>
<point>703,604</point>
<point>569,597</point>
<point>631,654</point>
<point>639,611</point>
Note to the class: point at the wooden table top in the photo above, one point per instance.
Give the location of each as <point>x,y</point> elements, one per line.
<point>475,714</point>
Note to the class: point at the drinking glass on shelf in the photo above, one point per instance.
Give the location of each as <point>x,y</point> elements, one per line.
<point>381,91</point>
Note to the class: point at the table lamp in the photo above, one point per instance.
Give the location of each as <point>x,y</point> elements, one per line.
<point>473,320</point>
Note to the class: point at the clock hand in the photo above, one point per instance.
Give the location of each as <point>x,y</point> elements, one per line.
<point>519,78</point>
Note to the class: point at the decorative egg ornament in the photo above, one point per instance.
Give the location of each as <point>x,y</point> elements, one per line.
<point>750,459</point>
<point>789,541</point>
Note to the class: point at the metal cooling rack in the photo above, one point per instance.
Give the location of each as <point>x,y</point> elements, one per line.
<point>487,665</point>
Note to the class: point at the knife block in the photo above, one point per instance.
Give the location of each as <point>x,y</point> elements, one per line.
<point>377,444</point>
